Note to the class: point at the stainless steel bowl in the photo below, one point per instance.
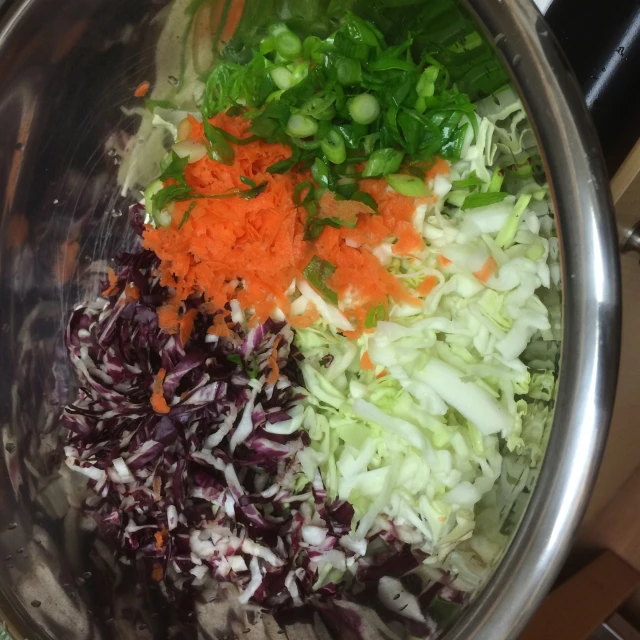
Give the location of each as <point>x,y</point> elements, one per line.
<point>66,68</point>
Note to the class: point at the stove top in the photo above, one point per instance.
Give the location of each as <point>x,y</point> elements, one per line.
<point>602,43</point>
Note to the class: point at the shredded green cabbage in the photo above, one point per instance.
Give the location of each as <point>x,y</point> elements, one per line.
<point>441,440</point>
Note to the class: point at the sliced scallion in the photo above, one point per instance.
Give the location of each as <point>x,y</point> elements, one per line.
<point>334,148</point>
<point>301,126</point>
<point>282,77</point>
<point>364,109</point>
<point>408,185</point>
<point>288,45</point>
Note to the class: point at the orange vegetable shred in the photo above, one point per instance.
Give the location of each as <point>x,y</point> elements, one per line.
<point>488,269</point>
<point>157,573</point>
<point>158,403</point>
<point>365,362</point>
<point>252,249</point>
<point>142,89</point>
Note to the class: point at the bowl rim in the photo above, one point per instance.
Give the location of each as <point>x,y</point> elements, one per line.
<point>591,319</point>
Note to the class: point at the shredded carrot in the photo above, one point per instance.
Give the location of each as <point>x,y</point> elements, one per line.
<point>487,270</point>
<point>18,231</point>
<point>157,573</point>
<point>158,402</point>
<point>168,318</point>
<point>425,287</point>
<point>113,283</point>
<point>159,539</point>
<point>251,249</point>
<point>66,262</point>
<point>382,374</point>
<point>365,362</point>
<point>142,89</point>
<point>306,319</point>
<point>233,20</point>
<point>219,327</point>
<point>272,378</point>
<point>186,325</point>
<point>131,293</point>
<point>439,168</point>
<point>445,262</point>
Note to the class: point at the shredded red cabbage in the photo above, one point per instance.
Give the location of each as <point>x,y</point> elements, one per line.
<point>213,487</point>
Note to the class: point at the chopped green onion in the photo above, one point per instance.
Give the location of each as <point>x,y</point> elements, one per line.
<point>300,72</point>
<point>389,64</point>
<point>408,185</point>
<point>320,106</point>
<point>476,200</point>
<point>317,272</point>
<point>313,47</point>
<point>374,316</point>
<point>151,191</point>
<point>267,45</point>
<point>383,162</point>
<point>334,148</point>
<point>349,71</point>
<point>366,198</point>
<point>509,229</point>
<point>277,28</point>
<point>426,85</point>
<point>471,181</point>
<point>248,181</point>
<point>496,181</point>
<point>217,145</point>
<point>187,214</point>
<point>299,189</point>
<point>282,77</point>
<point>288,45</point>
<point>364,109</point>
<point>320,172</point>
<point>301,126</point>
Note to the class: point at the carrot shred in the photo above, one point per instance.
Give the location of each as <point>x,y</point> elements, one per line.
<point>365,362</point>
<point>113,283</point>
<point>487,270</point>
<point>158,403</point>
<point>157,573</point>
<point>439,168</point>
<point>260,242</point>
<point>445,262</point>
<point>131,293</point>
<point>219,327</point>
<point>382,374</point>
<point>168,318</point>
<point>142,89</point>
<point>186,325</point>
<point>425,287</point>
<point>159,539</point>
<point>272,361</point>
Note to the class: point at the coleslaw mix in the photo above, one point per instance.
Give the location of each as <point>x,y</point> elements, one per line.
<point>334,352</point>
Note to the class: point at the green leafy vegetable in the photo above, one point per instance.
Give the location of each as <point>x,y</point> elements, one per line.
<point>317,272</point>
<point>218,148</point>
<point>186,215</point>
<point>408,185</point>
<point>383,162</point>
<point>476,200</point>
<point>374,316</point>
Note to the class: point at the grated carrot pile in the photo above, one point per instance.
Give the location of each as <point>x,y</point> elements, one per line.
<point>251,250</point>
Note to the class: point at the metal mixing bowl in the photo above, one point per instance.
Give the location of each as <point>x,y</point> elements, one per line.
<point>66,66</point>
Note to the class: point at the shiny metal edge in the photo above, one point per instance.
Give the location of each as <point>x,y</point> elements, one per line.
<point>592,320</point>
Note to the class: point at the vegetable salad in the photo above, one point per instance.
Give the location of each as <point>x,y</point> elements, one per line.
<point>311,369</point>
